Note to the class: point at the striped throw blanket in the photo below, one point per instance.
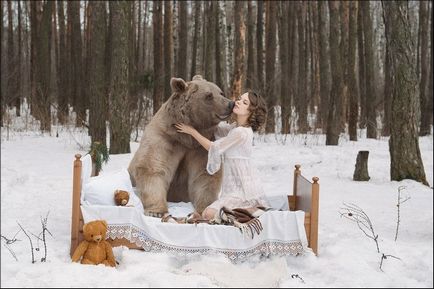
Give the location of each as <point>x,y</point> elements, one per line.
<point>245,219</point>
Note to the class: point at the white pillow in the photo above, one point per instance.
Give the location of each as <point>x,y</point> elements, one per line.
<point>100,190</point>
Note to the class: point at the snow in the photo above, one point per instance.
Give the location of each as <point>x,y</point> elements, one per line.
<point>36,178</point>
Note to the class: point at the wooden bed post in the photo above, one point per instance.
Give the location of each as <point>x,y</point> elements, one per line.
<point>76,192</point>
<point>292,200</point>
<point>314,211</point>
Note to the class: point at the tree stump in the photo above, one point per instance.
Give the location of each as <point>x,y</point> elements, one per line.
<point>361,171</point>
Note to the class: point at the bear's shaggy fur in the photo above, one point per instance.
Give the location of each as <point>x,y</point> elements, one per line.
<point>171,166</point>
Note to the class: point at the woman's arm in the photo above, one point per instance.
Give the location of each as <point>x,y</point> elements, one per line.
<point>184,128</point>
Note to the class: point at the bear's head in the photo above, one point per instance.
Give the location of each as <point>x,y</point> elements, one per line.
<point>199,103</point>
<point>95,231</point>
<point>121,197</point>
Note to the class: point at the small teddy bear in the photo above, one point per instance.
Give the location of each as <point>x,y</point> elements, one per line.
<point>95,249</point>
<point>121,197</point>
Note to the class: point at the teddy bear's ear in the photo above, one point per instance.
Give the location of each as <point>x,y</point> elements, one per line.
<point>178,85</point>
<point>104,222</point>
<point>198,77</point>
<point>84,227</point>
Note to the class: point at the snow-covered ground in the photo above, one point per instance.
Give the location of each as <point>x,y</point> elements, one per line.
<point>36,178</point>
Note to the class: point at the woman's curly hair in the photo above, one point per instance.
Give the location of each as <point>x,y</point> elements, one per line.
<point>258,108</point>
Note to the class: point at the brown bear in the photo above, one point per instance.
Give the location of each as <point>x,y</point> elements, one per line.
<point>171,166</point>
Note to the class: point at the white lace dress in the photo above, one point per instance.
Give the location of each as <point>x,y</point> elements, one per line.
<point>240,185</point>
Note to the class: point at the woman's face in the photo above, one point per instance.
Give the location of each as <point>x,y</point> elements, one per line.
<point>242,105</point>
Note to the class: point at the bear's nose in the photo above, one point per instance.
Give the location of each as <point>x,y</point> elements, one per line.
<point>98,238</point>
<point>231,105</point>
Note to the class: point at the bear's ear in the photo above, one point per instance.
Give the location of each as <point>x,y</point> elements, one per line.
<point>84,227</point>
<point>178,85</point>
<point>198,77</point>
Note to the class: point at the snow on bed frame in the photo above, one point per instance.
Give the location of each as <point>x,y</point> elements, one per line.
<point>305,197</point>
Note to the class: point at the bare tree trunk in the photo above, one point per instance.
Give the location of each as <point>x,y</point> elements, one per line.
<point>11,92</point>
<point>370,72</point>
<point>425,117</point>
<point>323,63</point>
<point>388,83</point>
<point>76,63</point>
<point>250,56</point>
<point>62,112</point>
<point>284,25</point>
<point>144,40</point>
<point>183,40</point>
<point>209,40</point>
<point>260,47</point>
<point>168,48</point>
<point>3,78</point>
<point>217,52</point>
<point>362,71</point>
<point>352,72</point>
<point>406,161</point>
<point>270,65</point>
<point>344,21</point>
<point>97,78</point>
<point>335,104</point>
<point>240,33</point>
<point>301,103</point>
<point>158,96</point>
<point>19,79</point>
<point>35,19</point>
<point>120,100</point>
<point>133,59</point>
<point>3,75</point>
<point>197,19</point>
<point>315,61</point>
<point>430,85</point>
<point>43,68</point>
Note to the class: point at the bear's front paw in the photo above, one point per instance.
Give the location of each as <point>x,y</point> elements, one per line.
<point>154,214</point>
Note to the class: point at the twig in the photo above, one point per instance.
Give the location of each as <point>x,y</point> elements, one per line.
<point>10,242</point>
<point>383,257</point>
<point>30,240</point>
<point>44,229</point>
<point>398,205</point>
<point>357,215</point>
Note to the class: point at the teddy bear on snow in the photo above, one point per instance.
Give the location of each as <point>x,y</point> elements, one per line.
<point>95,249</point>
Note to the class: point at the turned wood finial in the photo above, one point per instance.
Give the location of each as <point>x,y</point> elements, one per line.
<point>78,156</point>
<point>315,180</point>
<point>297,167</point>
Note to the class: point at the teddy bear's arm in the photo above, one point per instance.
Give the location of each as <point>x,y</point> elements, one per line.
<point>80,250</point>
<point>110,256</point>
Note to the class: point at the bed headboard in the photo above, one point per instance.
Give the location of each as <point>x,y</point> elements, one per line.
<point>305,197</point>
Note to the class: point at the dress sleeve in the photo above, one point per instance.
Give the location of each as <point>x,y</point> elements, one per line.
<point>223,129</point>
<point>218,147</point>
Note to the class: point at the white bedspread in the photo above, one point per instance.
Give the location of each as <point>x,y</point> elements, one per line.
<point>283,233</point>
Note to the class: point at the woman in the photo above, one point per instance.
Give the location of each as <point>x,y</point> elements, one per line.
<point>240,187</point>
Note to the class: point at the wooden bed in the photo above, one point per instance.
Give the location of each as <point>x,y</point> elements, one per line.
<point>305,197</point>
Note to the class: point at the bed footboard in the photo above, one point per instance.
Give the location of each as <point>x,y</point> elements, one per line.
<point>306,198</point>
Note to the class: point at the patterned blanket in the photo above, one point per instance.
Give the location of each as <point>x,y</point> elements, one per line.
<point>245,219</point>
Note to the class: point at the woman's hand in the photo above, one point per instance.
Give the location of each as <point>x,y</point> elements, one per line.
<point>184,128</point>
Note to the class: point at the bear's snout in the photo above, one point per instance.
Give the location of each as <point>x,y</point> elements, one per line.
<point>97,238</point>
<point>231,105</point>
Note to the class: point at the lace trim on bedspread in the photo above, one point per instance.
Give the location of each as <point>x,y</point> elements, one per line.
<point>141,239</point>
